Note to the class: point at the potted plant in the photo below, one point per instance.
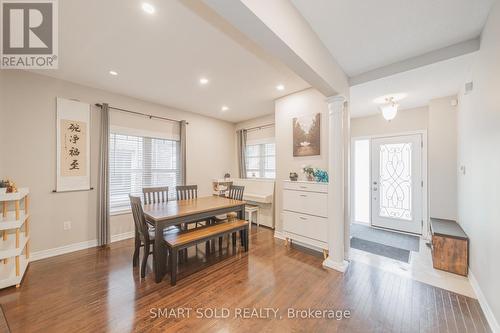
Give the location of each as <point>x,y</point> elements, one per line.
<point>309,172</point>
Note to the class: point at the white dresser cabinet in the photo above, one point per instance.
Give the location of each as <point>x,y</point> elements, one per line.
<point>305,213</point>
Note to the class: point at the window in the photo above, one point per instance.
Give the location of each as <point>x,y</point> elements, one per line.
<point>362,187</point>
<point>136,162</point>
<point>261,160</point>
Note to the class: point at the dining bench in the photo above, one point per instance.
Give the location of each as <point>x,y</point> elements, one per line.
<point>180,241</point>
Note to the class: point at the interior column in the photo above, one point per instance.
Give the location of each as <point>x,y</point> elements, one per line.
<point>336,214</point>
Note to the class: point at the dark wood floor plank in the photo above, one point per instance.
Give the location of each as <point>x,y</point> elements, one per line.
<point>98,290</point>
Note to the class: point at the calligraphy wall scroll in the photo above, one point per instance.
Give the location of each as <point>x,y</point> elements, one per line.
<point>73,145</point>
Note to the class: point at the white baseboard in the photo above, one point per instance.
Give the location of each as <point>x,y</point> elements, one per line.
<point>76,247</point>
<point>279,234</point>
<point>62,250</point>
<point>488,313</point>
<point>122,236</point>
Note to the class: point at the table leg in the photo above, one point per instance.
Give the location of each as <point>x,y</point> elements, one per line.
<point>241,216</point>
<point>159,254</point>
<point>173,268</point>
<point>247,230</point>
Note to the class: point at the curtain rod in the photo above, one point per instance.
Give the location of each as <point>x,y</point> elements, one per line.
<point>260,127</point>
<point>150,116</point>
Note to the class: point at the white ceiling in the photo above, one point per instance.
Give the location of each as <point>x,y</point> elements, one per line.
<point>421,85</point>
<point>161,57</point>
<point>363,35</point>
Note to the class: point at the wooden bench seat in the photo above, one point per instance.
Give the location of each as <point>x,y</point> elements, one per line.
<point>182,240</point>
<point>450,247</point>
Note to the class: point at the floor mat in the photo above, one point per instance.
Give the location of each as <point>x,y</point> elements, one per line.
<point>384,237</point>
<point>381,249</point>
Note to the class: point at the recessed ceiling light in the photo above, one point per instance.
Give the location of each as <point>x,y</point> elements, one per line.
<point>224,108</point>
<point>203,80</point>
<point>148,8</point>
<point>113,73</point>
<point>280,87</point>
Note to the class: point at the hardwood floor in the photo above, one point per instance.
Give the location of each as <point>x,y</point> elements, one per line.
<point>97,290</point>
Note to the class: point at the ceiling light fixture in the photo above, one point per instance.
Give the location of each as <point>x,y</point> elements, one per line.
<point>389,109</point>
<point>203,80</point>
<point>280,87</point>
<point>113,73</point>
<point>224,108</point>
<point>148,8</point>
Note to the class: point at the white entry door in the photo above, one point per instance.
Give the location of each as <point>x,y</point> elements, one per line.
<point>396,188</point>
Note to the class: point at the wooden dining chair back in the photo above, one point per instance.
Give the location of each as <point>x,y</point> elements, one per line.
<point>154,195</point>
<point>141,233</point>
<point>236,192</point>
<point>185,192</point>
<point>140,222</point>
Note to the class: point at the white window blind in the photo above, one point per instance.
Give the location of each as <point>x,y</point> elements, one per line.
<point>136,162</point>
<point>261,160</point>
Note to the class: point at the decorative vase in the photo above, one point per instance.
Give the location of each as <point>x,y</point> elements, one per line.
<point>310,177</point>
<point>294,176</point>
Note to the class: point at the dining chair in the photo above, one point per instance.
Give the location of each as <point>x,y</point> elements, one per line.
<point>152,195</point>
<point>185,192</point>
<point>145,235</point>
<point>235,192</point>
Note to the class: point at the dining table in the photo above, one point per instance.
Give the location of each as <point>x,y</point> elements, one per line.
<point>177,212</point>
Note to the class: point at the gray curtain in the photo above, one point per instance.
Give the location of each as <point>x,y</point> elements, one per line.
<point>103,232</point>
<point>242,143</point>
<point>183,151</point>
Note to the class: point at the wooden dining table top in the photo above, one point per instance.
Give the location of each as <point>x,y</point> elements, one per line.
<point>179,208</point>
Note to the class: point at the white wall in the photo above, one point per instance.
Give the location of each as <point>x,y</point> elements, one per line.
<point>306,102</point>
<point>442,154</point>
<point>406,121</point>
<point>28,153</point>
<point>479,152</point>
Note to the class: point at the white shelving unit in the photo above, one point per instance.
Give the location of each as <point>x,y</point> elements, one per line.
<point>15,243</point>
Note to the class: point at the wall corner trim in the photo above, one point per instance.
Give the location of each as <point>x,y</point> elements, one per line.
<point>43,254</point>
<point>488,313</point>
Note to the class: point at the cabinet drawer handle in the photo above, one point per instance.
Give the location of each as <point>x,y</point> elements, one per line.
<point>303,187</point>
<point>302,218</point>
<point>303,195</point>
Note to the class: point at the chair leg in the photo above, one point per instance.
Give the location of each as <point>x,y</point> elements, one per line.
<point>242,239</point>
<point>144,260</point>
<point>173,266</point>
<point>135,259</point>
<point>220,243</point>
<point>234,239</point>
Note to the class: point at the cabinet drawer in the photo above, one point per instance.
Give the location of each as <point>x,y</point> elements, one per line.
<point>306,186</point>
<point>305,225</point>
<point>312,203</point>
